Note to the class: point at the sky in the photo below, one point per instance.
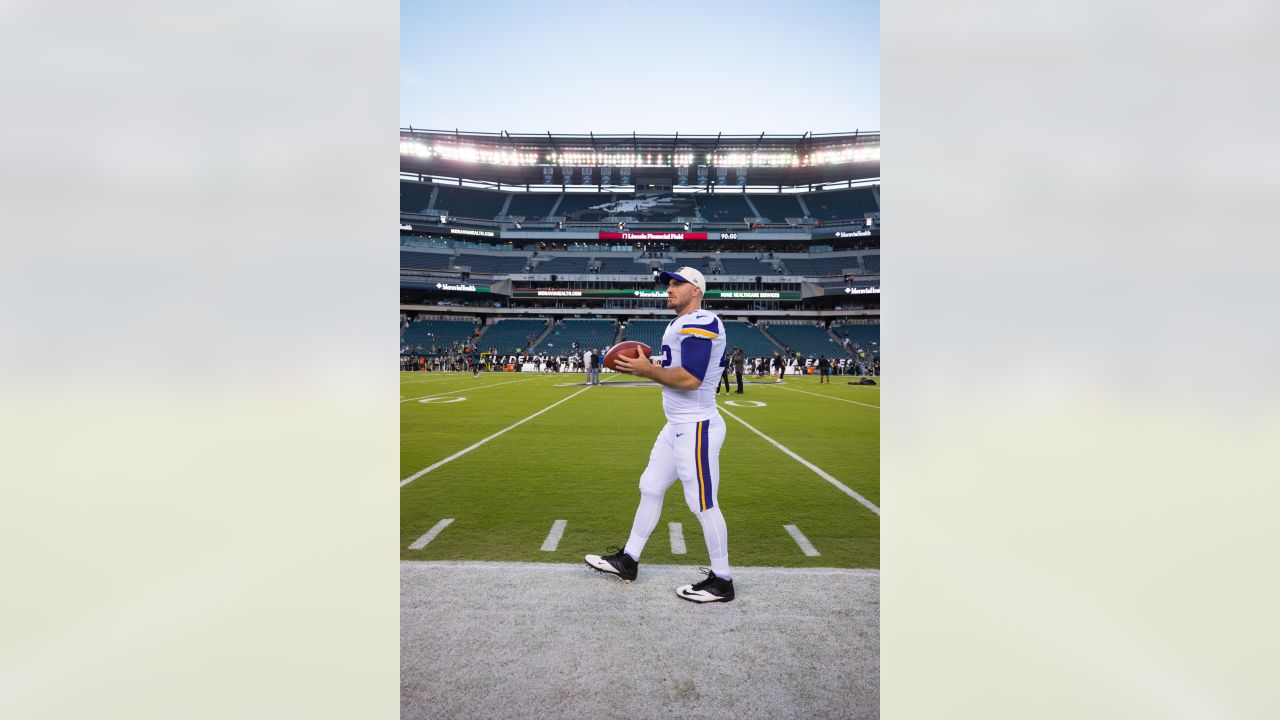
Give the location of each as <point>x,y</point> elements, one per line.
<point>658,67</point>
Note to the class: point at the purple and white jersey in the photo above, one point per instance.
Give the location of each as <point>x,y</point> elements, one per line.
<point>696,342</point>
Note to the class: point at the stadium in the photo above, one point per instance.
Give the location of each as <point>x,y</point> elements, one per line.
<point>520,252</point>
<point>548,243</point>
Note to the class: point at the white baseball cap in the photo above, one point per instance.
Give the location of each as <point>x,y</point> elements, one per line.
<point>685,274</point>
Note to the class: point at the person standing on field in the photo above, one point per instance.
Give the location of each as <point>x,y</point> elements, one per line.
<point>724,374</point>
<point>739,366</point>
<point>688,446</point>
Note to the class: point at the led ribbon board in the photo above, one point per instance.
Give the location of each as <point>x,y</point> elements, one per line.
<point>652,236</point>
<point>656,294</point>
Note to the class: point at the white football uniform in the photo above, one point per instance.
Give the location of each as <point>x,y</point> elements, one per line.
<point>688,447</point>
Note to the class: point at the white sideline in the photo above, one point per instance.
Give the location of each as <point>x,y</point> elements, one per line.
<point>468,389</point>
<point>553,537</point>
<point>438,377</point>
<point>430,534</point>
<point>806,392</point>
<point>498,566</point>
<point>677,539</point>
<point>821,473</point>
<point>464,451</point>
<point>806,547</point>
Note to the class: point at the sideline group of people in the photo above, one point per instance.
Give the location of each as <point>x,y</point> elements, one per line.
<point>462,357</point>
<point>777,366</point>
<point>466,359</point>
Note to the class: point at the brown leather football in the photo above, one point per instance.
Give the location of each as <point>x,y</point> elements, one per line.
<point>630,348</point>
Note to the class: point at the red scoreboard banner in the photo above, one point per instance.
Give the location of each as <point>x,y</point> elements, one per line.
<point>652,236</point>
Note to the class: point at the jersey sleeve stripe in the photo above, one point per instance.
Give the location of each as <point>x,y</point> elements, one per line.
<point>713,326</point>
<point>698,332</point>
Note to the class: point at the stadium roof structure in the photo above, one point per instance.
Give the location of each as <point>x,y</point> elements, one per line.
<point>635,159</point>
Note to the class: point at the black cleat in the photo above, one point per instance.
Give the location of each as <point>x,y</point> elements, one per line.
<point>712,589</point>
<point>619,563</point>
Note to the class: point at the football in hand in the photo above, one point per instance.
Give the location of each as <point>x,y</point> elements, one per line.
<point>630,348</point>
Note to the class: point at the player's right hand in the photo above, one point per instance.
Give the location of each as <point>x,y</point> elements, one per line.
<point>630,365</point>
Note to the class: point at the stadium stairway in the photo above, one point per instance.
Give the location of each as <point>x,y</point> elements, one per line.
<point>551,325</point>
<point>594,333</point>
<point>867,336</point>
<point>648,332</point>
<point>831,332</point>
<point>753,342</point>
<point>803,206</point>
<point>507,334</point>
<point>439,333</point>
<point>807,339</point>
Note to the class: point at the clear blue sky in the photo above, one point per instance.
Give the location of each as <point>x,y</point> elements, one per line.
<point>617,66</point>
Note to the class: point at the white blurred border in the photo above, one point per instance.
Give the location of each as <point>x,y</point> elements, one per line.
<point>1080,329</point>
<point>196,362</point>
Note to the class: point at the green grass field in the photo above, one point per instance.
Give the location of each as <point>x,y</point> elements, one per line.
<point>581,462</point>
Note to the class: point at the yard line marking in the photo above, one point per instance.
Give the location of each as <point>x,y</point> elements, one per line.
<point>677,539</point>
<point>806,392</point>
<point>475,387</point>
<point>806,547</point>
<point>553,537</point>
<point>464,451</point>
<point>821,473</point>
<point>430,534</point>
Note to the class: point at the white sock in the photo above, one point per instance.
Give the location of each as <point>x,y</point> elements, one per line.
<point>646,520</point>
<point>717,537</point>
